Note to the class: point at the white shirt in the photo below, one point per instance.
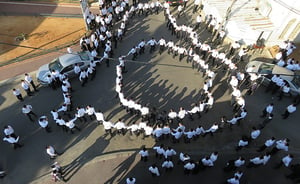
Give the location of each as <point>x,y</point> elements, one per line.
<point>11,140</point>
<point>43,123</point>
<point>167,164</point>
<point>70,124</point>
<point>291,108</point>
<point>50,151</point>
<point>242,143</point>
<point>172,115</point>
<point>99,116</point>
<point>144,153</point>
<point>90,110</point>
<point>128,181</point>
<point>255,134</point>
<point>159,150</point>
<point>80,112</point>
<point>9,130</point>
<point>154,170</point>
<point>120,125</point>
<point>286,160</point>
<point>239,163</point>
<point>189,166</point>
<point>26,109</point>
<point>107,125</point>
<point>207,162</point>
<point>257,161</point>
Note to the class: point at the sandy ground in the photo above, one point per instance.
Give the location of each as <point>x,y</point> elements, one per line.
<point>44,33</point>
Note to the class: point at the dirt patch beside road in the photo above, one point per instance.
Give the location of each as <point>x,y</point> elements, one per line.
<point>40,32</point>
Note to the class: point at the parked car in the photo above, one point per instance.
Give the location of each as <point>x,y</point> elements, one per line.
<point>267,70</point>
<point>175,2</point>
<point>64,64</point>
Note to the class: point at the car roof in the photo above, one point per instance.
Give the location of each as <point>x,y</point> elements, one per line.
<point>69,59</point>
<point>284,73</point>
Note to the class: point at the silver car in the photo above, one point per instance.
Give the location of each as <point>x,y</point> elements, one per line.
<point>65,65</point>
<point>267,70</point>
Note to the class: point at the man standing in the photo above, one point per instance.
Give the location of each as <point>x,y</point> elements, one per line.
<point>26,87</point>
<point>18,94</point>
<point>83,77</point>
<point>29,80</point>
<point>267,110</point>
<point>289,110</point>
<point>43,122</point>
<point>27,110</point>
<point>51,152</point>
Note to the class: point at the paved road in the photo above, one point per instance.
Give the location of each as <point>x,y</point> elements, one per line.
<point>164,83</point>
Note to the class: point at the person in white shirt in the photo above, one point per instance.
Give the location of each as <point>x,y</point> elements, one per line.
<point>81,114</point>
<point>141,46</point>
<point>152,44</point>
<point>289,110</point>
<point>134,53</point>
<point>134,129</point>
<point>234,180</point>
<point>90,111</point>
<point>189,167</point>
<point>280,145</point>
<point>233,121</point>
<point>71,125</point>
<point>268,143</point>
<point>144,154</point>
<point>160,151</point>
<point>199,131</point>
<point>254,133</point>
<point>130,180</point>
<point>242,143</point>
<point>267,110</point>
<point>13,140</point>
<point>172,115</point>
<point>62,123</point>
<point>206,162</point>
<point>181,114</point>
<point>234,164</point>
<point>168,165</point>
<point>267,157</point>
<point>154,170</point>
<point>83,77</point>
<point>29,80</point>
<point>43,122</point>
<point>27,110</point>
<point>166,131</point>
<point>18,94</point>
<point>9,131</point>
<point>108,127</point>
<point>254,162</point>
<point>212,129</point>
<point>26,87</point>
<point>214,156</point>
<point>162,43</point>
<point>121,127</point>
<point>51,152</point>
<point>183,158</point>
<point>157,133</point>
<point>99,116</point>
<point>285,161</point>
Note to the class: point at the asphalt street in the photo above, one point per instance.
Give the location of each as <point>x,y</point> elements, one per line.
<point>157,80</point>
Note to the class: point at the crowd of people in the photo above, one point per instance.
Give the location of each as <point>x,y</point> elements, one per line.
<point>206,59</point>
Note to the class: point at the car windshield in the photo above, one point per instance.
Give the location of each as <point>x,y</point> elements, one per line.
<point>84,56</point>
<point>55,65</point>
<point>296,81</point>
<point>266,68</point>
